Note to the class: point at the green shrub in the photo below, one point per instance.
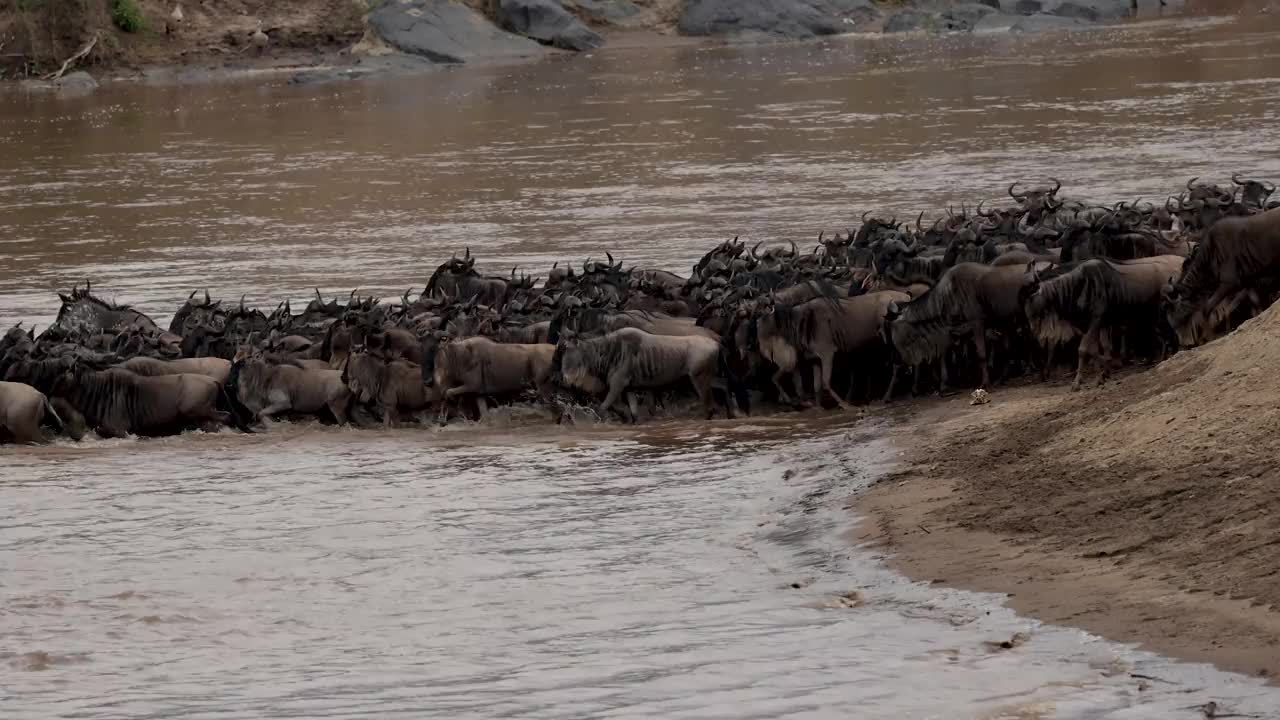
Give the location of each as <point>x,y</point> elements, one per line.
<point>127,15</point>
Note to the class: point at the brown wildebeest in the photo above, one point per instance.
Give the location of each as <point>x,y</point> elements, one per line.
<point>479,366</point>
<point>23,411</point>
<point>216,368</point>
<point>397,387</point>
<point>268,388</point>
<point>116,402</point>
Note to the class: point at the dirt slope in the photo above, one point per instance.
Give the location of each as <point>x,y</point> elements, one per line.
<point>1145,510</point>
<point>44,32</point>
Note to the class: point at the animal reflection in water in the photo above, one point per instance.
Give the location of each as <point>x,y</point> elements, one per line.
<point>969,299</point>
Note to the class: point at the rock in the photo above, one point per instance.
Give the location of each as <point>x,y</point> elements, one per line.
<point>547,22</point>
<point>908,21</point>
<point>444,31</point>
<point>995,22</point>
<point>784,18</point>
<point>1091,10</point>
<point>363,67</point>
<point>74,83</point>
<point>605,11</point>
<point>965,16</point>
<point>1046,23</point>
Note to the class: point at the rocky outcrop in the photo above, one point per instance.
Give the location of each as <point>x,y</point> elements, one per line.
<point>444,31</point>
<point>1042,22</point>
<point>70,85</point>
<point>614,12</point>
<point>547,22</point>
<point>782,18</point>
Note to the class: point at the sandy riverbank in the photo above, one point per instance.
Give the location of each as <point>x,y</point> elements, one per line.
<point>1146,511</point>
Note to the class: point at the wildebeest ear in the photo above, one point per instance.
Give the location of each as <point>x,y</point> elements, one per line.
<point>65,300</point>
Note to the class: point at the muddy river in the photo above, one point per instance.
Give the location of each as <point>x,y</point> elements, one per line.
<point>515,569</point>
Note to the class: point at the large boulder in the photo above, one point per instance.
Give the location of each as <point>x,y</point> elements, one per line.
<point>547,22</point>
<point>1047,23</point>
<point>966,15</point>
<point>605,11</point>
<point>444,31</point>
<point>784,18</point>
<point>1091,10</point>
<point>908,21</point>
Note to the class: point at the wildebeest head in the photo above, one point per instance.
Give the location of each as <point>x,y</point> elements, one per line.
<point>1254,193</point>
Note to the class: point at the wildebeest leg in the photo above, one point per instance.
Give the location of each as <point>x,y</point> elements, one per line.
<point>482,408</point>
<point>702,386</point>
<point>893,380</point>
<point>980,347</point>
<point>942,376</point>
<point>1048,363</point>
<point>633,403</point>
<point>777,383</point>
<point>275,408</point>
<point>617,386</point>
<point>826,362</point>
<point>1089,339</point>
<point>390,415</point>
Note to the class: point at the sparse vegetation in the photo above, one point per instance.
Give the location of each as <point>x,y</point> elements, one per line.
<point>127,16</point>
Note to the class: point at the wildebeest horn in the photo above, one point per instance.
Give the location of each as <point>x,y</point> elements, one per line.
<point>1235,178</point>
<point>864,215</point>
<point>754,256</point>
<point>793,249</point>
<point>1019,198</point>
<point>610,256</point>
<point>1057,185</point>
<point>468,255</point>
<point>1191,183</point>
<point>242,303</point>
<point>192,295</point>
<point>206,296</point>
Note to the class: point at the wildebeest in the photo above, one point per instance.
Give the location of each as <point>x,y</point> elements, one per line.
<point>269,388</point>
<point>85,315</point>
<point>396,387</point>
<point>116,402</point>
<point>479,366</point>
<point>632,359</point>
<point>458,280</point>
<point>23,412</point>
<point>1237,254</point>
<point>216,368</point>
<point>1108,295</point>
<point>970,299</point>
<point>816,330</point>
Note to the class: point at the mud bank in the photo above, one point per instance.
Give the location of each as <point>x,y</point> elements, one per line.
<point>1144,511</point>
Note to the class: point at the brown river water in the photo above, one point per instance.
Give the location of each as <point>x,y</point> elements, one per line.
<point>516,569</point>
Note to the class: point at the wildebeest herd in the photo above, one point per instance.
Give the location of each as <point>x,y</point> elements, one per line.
<point>975,294</point>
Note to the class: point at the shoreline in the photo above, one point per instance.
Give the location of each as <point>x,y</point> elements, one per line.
<point>926,516</point>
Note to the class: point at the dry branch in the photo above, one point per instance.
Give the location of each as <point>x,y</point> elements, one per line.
<point>88,47</point>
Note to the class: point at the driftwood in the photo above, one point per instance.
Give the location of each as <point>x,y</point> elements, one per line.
<point>88,48</point>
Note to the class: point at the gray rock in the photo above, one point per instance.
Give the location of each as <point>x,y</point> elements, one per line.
<point>364,67</point>
<point>1091,10</point>
<point>444,31</point>
<point>995,22</point>
<point>965,16</point>
<point>1047,23</point>
<point>547,22</point>
<point>908,21</point>
<point>71,84</point>
<point>605,11</point>
<point>785,18</point>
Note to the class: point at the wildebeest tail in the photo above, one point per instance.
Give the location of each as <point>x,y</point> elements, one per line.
<point>228,402</point>
<point>737,387</point>
<point>52,419</point>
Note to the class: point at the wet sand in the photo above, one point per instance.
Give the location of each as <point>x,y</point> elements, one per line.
<point>1144,511</point>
